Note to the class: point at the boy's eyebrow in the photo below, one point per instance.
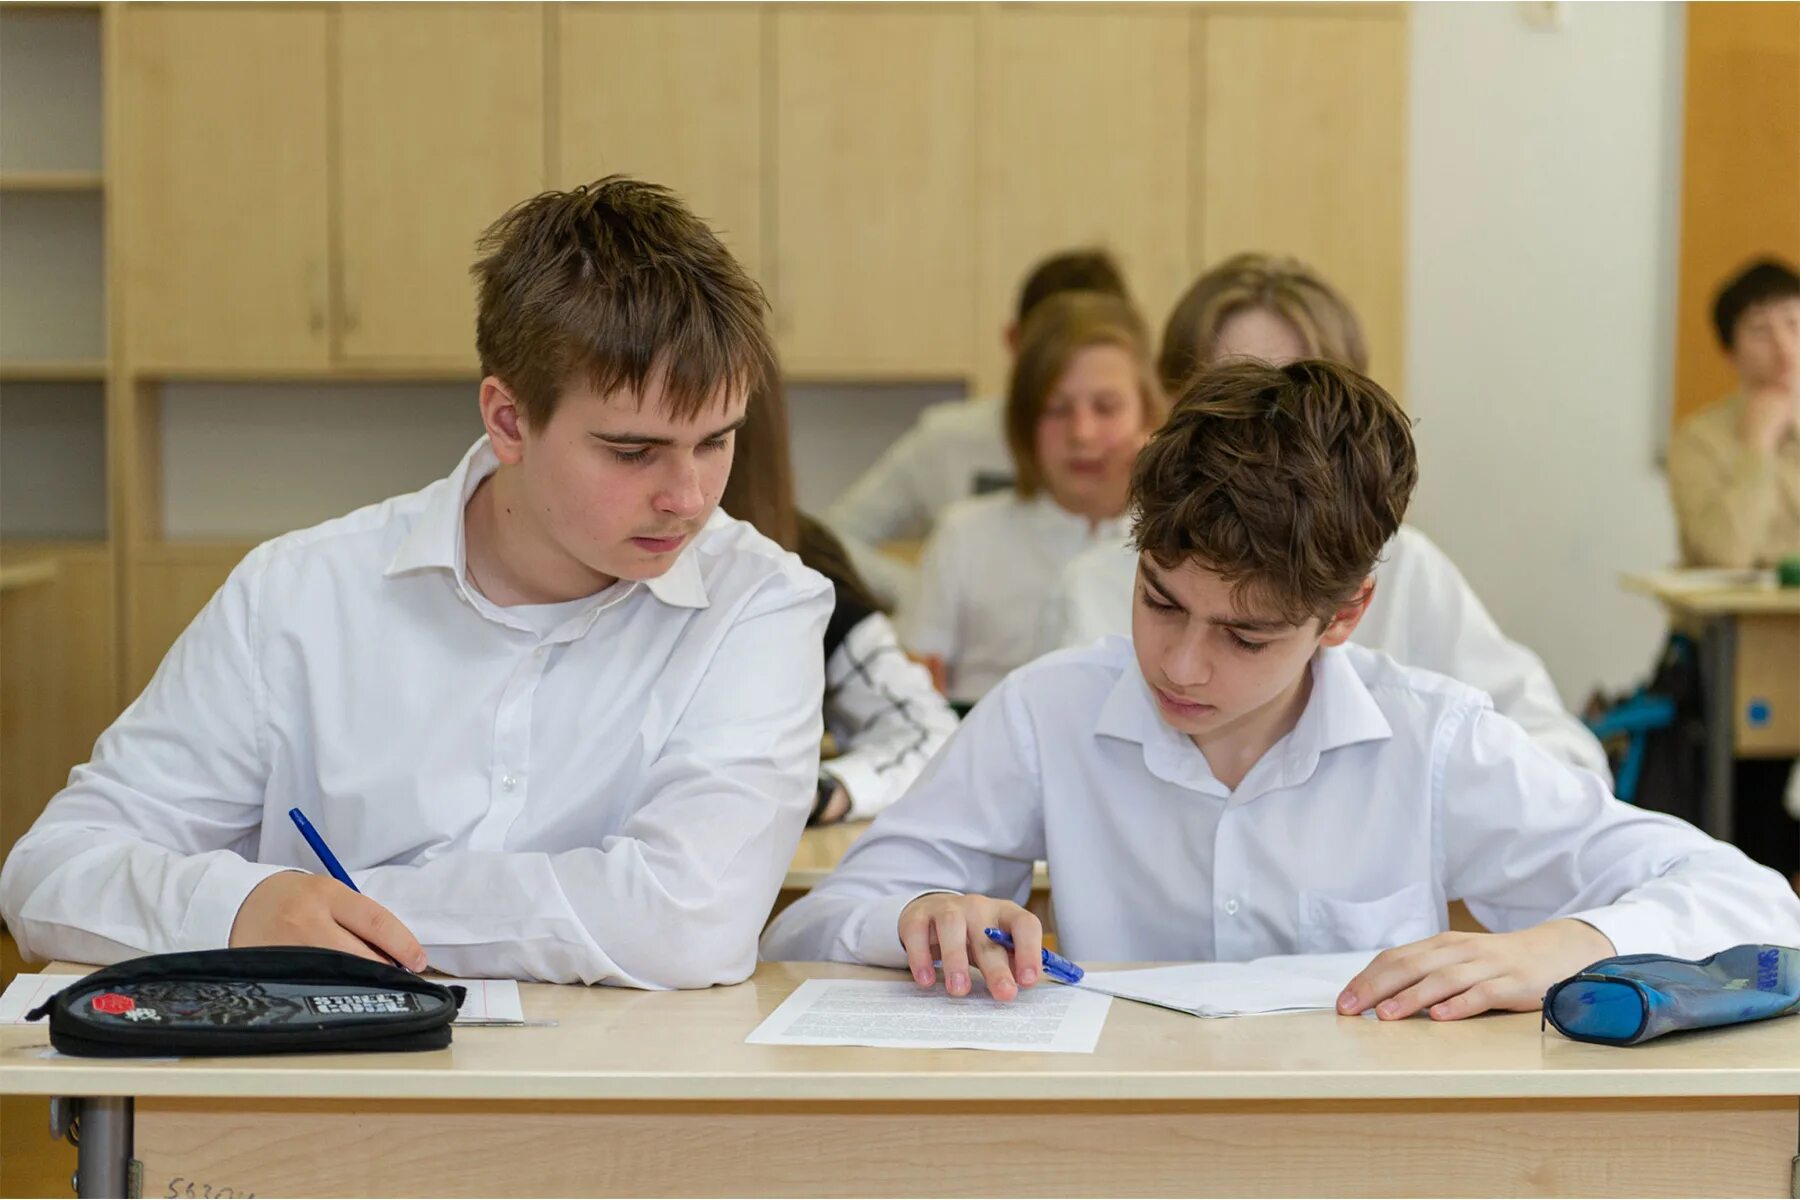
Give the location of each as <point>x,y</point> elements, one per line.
<point>1247,624</point>
<point>645,439</point>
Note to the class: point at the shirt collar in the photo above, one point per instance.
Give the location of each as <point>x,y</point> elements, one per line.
<point>436,537</point>
<point>1340,712</point>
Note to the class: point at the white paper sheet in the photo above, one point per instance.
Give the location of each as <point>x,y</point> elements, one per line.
<point>863,1012</point>
<point>26,992</point>
<point>1287,983</point>
<point>490,1001</point>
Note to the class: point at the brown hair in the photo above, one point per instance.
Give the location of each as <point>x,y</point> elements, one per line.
<point>1059,329</point>
<point>1089,270</point>
<point>617,283</point>
<point>760,490</point>
<point>1286,481</point>
<point>1285,286</point>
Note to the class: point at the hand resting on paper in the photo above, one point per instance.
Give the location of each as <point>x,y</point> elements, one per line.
<point>1456,975</point>
<point>950,928</point>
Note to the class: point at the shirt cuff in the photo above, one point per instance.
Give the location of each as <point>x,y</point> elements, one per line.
<point>1631,928</point>
<point>213,905</point>
<point>861,782</point>
<point>875,941</point>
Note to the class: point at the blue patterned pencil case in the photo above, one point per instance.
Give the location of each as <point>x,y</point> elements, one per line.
<point>1635,997</point>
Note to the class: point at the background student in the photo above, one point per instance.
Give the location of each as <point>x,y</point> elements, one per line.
<point>1424,613</point>
<point>883,713</point>
<point>557,715</point>
<point>1235,780</point>
<point>1083,398</point>
<point>953,450</point>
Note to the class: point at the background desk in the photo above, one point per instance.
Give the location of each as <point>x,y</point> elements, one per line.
<point>1750,672</point>
<point>642,1093</point>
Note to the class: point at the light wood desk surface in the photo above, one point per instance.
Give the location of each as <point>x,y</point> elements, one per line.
<point>822,847</point>
<point>1682,592</point>
<point>645,1093</point>
<point>14,576</point>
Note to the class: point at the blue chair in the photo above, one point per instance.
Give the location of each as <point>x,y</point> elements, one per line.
<point>1635,718</point>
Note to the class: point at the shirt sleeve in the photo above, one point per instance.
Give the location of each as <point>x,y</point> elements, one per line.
<point>676,899</point>
<point>1725,496</point>
<point>884,714</point>
<point>888,500</point>
<point>929,624</point>
<point>1526,839</point>
<point>1448,630</point>
<point>973,823</point>
<point>147,849</point>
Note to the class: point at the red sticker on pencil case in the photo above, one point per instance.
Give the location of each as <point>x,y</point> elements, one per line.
<point>113,1002</point>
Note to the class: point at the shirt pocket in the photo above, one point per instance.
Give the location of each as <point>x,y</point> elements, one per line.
<point>1330,924</point>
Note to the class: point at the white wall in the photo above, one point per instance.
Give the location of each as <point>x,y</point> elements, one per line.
<point>1543,183</point>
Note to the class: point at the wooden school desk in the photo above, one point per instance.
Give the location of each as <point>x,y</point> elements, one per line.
<point>822,847</point>
<point>1749,672</point>
<point>655,1093</point>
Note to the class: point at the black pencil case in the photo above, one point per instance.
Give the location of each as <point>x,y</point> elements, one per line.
<point>257,1000</point>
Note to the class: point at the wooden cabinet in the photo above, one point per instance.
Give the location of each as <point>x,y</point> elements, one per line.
<point>222,217</point>
<point>875,191</point>
<point>1084,117</point>
<point>1300,123</point>
<point>440,118</point>
<point>672,94</point>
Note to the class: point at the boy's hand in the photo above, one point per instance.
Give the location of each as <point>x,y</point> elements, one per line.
<point>1456,975</point>
<point>298,909</point>
<point>951,928</point>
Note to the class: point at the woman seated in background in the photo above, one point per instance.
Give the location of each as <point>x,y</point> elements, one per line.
<point>1082,401</point>
<point>1424,613</point>
<point>881,709</point>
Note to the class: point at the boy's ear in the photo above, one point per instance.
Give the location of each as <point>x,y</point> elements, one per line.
<point>1011,335</point>
<point>1343,623</point>
<point>503,420</point>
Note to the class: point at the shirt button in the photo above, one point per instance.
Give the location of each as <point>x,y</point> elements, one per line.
<point>508,783</point>
<point>541,651</point>
<point>1231,907</point>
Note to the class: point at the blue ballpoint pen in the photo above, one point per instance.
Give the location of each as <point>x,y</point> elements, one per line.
<point>322,850</point>
<point>1055,965</point>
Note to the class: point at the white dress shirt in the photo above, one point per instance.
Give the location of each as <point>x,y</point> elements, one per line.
<point>1396,792</point>
<point>952,451</point>
<point>1424,614</point>
<point>983,579</point>
<point>884,714</point>
<point>616,800</point>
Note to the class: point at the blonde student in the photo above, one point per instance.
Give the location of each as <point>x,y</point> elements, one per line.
<point>884,715</point>
<point>954,450</point>
<point>1082,399</point>
<point>1424,614</point>
<point>556,713</point>
<point>1237,780</point>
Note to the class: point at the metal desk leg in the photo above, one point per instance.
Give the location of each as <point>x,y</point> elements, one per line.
<point>1717,675</point>
<point>104,1163</point>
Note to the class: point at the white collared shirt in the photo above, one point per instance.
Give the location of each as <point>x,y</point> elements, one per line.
<point>1424,614</point>
<point>983,579</point>
<point>616,800</point>
<point>953,451</point>
<point>1397,791</point>
<point>885,715</point>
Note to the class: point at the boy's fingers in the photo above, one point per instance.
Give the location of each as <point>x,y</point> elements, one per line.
<point>991,957</point>
<point>1028,945</point>
<point>953,949</point>
<point>379,928</point>
<point>1435,987</point>
<point>915,935</point>
<point>1394,970</point>
<point>1475,1000</point>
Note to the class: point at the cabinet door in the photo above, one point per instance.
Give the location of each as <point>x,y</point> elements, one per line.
<point>440,116</point>
<point>221,199</point>
<point>671,94</point>
<point>1302,150</point>
<point>1084,116</point>
<point>875,191</point>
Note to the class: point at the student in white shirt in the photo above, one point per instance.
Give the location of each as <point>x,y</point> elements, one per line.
<point>1424,613</point>
<point>884,715</point>
<point>557,715</point>
<point>1236,781</point>
<point>953,450</point>
<point>1083,398</point>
